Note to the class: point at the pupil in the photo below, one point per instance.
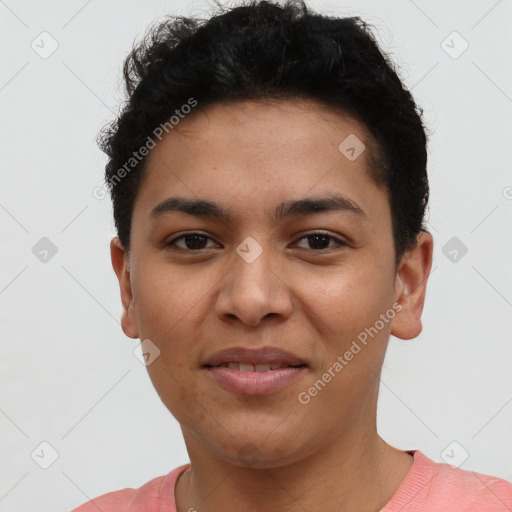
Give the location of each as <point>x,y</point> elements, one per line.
<point>198,240</point>
<point>316,238</point>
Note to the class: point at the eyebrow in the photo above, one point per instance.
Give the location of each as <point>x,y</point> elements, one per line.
<point>306,206</point>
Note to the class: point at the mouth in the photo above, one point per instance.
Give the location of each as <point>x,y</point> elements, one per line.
<point>260,379</point>
<point>262,367</point>
<point>254,372</point>
<point>254,359</point>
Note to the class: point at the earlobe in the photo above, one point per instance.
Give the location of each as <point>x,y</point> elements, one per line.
<point>410,287</point>
<point>122,269</point>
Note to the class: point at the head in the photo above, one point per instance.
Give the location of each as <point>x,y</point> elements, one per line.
<point>296,164</point>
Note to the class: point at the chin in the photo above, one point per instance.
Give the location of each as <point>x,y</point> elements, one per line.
<point>261,452</point>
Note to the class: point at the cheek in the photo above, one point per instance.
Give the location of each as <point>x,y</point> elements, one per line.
<point>169,302</point>
<point>170,310</point>
<point>350,299</point>
<point>183,397</point>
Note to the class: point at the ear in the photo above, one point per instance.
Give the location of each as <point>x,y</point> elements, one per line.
<point>122,270</point>
<point>411,286</point>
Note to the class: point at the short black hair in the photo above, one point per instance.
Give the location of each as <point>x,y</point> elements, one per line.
<point>264,50</point>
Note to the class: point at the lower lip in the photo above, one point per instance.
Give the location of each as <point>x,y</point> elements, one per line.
<point>255,383</point>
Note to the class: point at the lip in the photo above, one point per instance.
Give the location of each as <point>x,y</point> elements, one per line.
<point>253,356</point>
<point>256,382</point>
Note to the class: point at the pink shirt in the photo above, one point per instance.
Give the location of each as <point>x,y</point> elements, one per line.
<point>427,487</point>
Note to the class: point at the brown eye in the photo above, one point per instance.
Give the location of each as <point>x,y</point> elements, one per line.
<point>191,241</point>
<point>320,241</point>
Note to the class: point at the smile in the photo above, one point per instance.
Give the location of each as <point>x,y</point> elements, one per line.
<point>260,379</point>
<point>247,367</point>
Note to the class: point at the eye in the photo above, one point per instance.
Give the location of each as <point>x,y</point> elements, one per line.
<point>320,241</point>
<point>192,241</point>
<point>195,241</point>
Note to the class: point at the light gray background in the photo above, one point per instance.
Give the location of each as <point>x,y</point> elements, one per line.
<point>69,375</point>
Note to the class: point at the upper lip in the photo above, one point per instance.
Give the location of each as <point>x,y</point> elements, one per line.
<point>244,355</point>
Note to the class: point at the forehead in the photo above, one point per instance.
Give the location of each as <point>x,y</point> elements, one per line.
<point>251,152</point>
<point>265,125</point>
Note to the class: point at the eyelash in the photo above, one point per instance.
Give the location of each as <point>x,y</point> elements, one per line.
<point>340,243</point>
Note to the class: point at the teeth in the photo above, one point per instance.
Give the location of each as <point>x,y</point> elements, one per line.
<point>264,367</point>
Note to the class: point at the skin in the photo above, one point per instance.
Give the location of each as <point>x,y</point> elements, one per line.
<point>250,156</point>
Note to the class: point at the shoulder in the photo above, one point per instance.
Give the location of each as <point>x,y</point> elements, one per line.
<point>150,497</point>
<point>119,501</point>
<point>448,487</point>
<point>477,490</point>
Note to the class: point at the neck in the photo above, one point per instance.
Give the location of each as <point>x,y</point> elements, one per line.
<point>344,475</point>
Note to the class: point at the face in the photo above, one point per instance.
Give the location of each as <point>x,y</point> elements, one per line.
<point>308,281</point>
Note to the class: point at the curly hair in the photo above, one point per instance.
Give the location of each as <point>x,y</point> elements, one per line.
<point>263,50</point>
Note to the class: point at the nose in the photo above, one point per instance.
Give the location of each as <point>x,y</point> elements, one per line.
<point>253,291</point>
